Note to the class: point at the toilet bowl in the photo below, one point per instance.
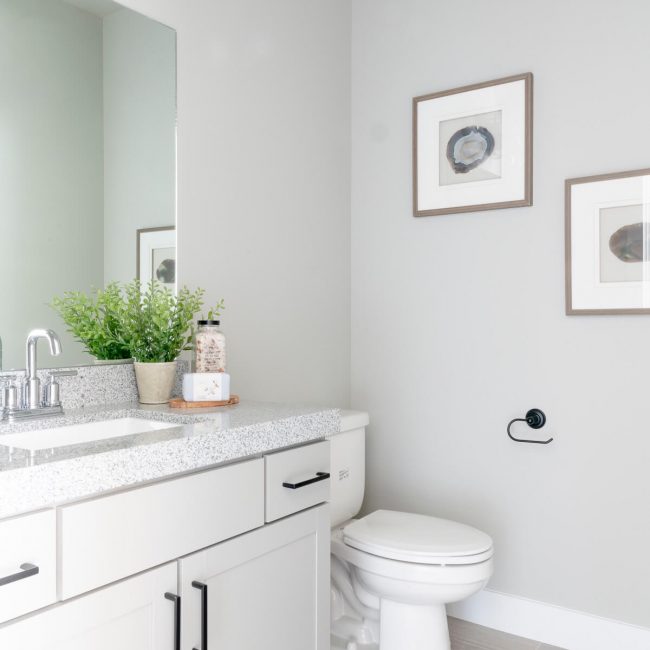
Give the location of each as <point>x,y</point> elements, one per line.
<point>394,572</point>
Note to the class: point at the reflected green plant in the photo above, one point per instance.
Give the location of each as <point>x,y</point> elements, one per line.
<point>96,320</point>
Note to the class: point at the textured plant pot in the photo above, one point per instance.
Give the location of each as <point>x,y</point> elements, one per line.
<point>155,381</point>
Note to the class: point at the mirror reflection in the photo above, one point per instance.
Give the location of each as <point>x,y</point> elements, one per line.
<point>87,159</point>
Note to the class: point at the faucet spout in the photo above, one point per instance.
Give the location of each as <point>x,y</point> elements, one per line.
<point>32,339</point>
<point>32,382</point>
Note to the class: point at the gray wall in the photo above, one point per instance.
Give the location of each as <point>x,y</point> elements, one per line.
<point>139,135</point>
<point>50,166</point>
<point>458,322</point>
<point>263,185</point>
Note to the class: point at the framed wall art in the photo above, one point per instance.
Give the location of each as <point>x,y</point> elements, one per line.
<point>156,255</point>
<point>607,239</point>
<point>472,147</point>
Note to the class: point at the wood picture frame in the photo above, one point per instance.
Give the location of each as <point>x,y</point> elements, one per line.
<point>607,243</point>
<point>150,244</point>
<point>473,147</point>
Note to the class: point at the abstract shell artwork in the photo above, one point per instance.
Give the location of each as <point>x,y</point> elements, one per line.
<point>472,147</point>
<point>607,239</point>
<point>469,148</point>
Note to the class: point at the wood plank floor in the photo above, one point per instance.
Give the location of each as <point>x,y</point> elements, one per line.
<point>468,636</point>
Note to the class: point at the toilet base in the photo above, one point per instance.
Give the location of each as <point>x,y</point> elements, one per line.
<point>350,633</point>
<point>413,627</point>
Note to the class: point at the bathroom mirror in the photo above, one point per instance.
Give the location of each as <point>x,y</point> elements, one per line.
<point>87,157</point>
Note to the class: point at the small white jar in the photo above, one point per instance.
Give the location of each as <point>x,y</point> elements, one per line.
<point>209,347</point>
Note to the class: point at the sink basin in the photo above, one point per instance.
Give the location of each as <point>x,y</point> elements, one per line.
<point>76,434</point>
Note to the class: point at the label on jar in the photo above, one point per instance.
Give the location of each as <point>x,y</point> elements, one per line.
<point>210,352</point>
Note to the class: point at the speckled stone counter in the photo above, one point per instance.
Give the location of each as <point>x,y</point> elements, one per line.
<point>32,480</point>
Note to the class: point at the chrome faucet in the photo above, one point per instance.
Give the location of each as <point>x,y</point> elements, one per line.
<point>34,404</point>
<point>32,396</point>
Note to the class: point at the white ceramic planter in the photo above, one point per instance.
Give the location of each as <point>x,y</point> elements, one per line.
<point>155,381</point>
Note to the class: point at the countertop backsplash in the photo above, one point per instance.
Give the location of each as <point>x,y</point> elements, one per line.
<point>100,384</point>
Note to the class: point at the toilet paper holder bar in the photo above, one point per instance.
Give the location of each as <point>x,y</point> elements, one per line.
<point>535,419</point>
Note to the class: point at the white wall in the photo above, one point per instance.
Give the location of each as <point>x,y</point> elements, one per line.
<point>50,167</point>
<point>458,321</point>
<point>139,135</point>
<point>263,184</point>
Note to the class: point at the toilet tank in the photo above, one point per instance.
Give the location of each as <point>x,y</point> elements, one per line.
<point>348,466</point>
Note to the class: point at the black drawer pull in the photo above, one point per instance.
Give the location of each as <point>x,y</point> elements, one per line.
<point>204,613</point>
<point>320,476</point>
<point>177,618</point>
<point>26,570</point>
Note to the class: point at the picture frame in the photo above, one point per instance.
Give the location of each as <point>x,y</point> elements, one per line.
<point>473,147</point>
<point>156,255</point>
<point>607,243</point>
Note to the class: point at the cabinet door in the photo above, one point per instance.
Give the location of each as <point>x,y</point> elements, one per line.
<point>266,589</point>
<point>130,615</point>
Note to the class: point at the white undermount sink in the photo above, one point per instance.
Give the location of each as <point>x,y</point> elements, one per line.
<point>76,434</point>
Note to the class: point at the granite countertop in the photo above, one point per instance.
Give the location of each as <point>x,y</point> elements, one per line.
<point>32,480</point>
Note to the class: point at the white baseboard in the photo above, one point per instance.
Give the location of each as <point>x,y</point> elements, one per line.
<point>550,624</point>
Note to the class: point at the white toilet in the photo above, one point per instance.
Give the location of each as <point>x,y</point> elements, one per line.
<point>393,572</point>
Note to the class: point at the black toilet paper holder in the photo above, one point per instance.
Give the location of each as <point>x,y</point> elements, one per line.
<point>535,419</point>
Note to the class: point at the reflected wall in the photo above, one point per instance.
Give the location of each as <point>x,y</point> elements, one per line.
<point>87,155</point>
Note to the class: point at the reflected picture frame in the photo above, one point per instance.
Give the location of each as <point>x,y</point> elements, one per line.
<point>156,255</point>
<point>607,243</point>
<point>473,147</point>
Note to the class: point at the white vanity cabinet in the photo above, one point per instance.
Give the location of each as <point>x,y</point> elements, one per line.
<point>129,615</point>
<point>186,563</point>
<point>105,539</point>
<point>266,589</point>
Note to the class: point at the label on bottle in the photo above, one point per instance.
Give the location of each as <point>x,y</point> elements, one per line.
<point>210,352</point>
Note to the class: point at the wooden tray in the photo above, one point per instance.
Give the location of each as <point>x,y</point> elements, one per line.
<point>180,403</point>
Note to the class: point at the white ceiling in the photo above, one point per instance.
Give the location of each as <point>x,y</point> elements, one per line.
<point>100,8</point>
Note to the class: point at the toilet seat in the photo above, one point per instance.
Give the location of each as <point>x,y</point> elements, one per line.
<point>442,574</point>
<point>418,539</point>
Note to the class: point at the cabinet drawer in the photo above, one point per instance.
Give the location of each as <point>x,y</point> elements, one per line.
<point>27,564</point>
<point>297,479</point>
<point>116,536</point>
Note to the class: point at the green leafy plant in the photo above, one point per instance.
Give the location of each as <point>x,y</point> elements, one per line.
<point>159,324</point>
<point>96,320</point>
<point>215,312</point>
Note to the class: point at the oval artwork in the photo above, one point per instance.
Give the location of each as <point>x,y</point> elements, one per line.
<point>627,243</point>
<point>469,147</point>
<point>166,271</point>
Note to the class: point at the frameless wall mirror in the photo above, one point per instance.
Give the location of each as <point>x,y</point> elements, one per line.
<point>87,158</point>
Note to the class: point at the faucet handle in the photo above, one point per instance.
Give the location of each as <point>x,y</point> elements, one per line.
<point>52,388</point>
<point>8,392</point>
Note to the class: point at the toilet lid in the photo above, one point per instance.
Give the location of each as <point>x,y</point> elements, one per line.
<point>415,538</point>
